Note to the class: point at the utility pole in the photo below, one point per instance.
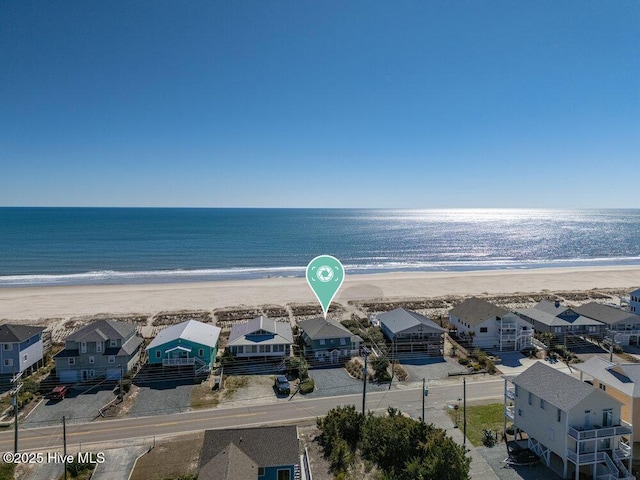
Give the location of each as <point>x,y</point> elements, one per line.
<point>365,350</point>
<point>16,388</point>
<point>424,394</point>
<point>613,335</point>
<point>64,444</point>
<point>464,411</point>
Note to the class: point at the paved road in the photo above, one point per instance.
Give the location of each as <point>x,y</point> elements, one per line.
<point>299,409</point>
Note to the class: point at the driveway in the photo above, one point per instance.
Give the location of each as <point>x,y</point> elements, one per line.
<point>161,394</point>
<point>331,382</point>
<point>438,368</point>
<point>80,405</point>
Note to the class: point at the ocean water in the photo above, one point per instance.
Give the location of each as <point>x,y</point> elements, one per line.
<point>68,246</point>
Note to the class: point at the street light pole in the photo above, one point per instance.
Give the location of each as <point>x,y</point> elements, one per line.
<point>424,394</point>
<point>365,350</point>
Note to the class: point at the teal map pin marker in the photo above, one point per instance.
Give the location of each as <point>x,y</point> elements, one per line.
<point>325,275</point>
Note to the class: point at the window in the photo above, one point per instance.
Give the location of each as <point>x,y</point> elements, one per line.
<point>265,348</point>
<point>530,398</point>
<point>92,359</point>
<point>483,329</point>
<point>24,358</point>
<point>261,471</point>
<point>201,352</point>
<point>99,347</point>
<point>603,387</point>
<point>158,353</point>
<point>322,342</point>
<point>83,347</point>
<point>284,475</point>
<point>542,404</point>
<point>113,343</point>
<point>8,362</point>
<point>607,417</point>
<point>343,341</point>
<point>7,346</point>
<point>72,361</point>
<point>112,359</point>
<point>559,415</point>
<point>519,412</point>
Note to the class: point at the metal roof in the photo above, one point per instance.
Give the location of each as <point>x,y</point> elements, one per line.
<point>400,319</point>
<point>624,376</point>
<point>191,330</point>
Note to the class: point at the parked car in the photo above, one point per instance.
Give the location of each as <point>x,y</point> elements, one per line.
<point>59,392</point>
<point>281,385</point>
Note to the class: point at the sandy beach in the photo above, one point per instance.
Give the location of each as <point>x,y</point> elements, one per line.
<point>39,303</point>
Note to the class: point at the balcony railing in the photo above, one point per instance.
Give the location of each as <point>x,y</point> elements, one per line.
<point>510,393</point>
<point>178,361</point>
<point>600,432</point>
<point>509,413</point>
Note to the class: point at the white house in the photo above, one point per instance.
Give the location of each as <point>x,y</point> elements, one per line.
<point>260,337</point>
<point>493,327</point>
<point>410,332</point>
<point>570,422</point>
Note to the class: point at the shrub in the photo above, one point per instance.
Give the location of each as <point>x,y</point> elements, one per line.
<point>307,386</point>
<point>488,439</point>
<point>464,361</point>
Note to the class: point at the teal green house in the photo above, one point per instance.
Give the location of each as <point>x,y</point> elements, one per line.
<point>188,343</point>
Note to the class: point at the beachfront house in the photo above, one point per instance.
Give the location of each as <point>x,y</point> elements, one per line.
<point>189,343</point>
<point>619,380</point>
<point>490,327</point>
<point>327,342</point>
<point>260,337</point>
<point>573,427</point>
<point>410,332</point>
<point>101,349</point>
<point>562,321</point>
<point>634,301</point>
<point>624,326</point>
<point>263,453</point>
<point>21,349</point>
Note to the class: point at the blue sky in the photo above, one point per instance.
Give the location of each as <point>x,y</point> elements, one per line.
<point>409,104</point>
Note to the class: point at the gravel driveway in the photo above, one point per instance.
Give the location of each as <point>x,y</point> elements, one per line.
<point>78,406</point>
<point>336,381</point>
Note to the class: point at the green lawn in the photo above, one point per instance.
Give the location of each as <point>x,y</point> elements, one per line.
<point>6,471</point>
<point>480,417</point>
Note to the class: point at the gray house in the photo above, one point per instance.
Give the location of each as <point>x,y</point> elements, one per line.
<point>104,348</point>
<point>261,337</point>
<point>20,348</point>
<point>264,453</point>
<point>575,428</point>
<point>623,325</point>
<point>326,341</point>
<point>411,332</point>
<point>561,321</point>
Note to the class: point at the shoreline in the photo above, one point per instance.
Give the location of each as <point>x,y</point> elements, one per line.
<point>63,302</point>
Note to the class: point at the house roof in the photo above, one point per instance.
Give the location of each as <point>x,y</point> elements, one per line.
<point>266,446</point>
<point>553,308</point>
<point>635,292</point>
<point>17,333</point>
<point>231,463</point>
<point>191,330</point>
<point>624,376</point>
<point>399,320</point>
<point>475,311</point>
<point>606,313</point>
<point>280,332</point>
<point>553,321</point>
<point>558,388</point>
<point>102,330</point>
<point>319,328</point>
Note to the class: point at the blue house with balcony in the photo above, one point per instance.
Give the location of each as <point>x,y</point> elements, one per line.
<point>265,453</point>
<point>187,343</point>
<point>21,348</point>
